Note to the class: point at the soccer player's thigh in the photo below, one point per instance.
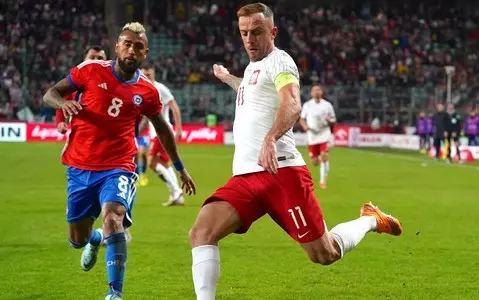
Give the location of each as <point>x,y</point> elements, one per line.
<point>292,204</point>
<point>314,154</point>
<point>117,196</point>
<point>324,151</point>
<point>82,206</point>
<point>231,209</point>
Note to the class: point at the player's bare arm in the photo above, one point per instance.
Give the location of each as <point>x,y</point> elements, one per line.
<point>224,75</point>
<point>167,139</point>
<point>54,98</point>
<point>175,110</point>
<point>288,113</point>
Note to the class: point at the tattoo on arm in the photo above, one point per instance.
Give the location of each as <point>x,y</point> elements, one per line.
<point>288,112</point>
<point>166,136</point>
<point>54,95</point>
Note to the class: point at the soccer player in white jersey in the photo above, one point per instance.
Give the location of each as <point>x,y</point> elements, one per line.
<point>158,159</point>
<point>317,116</point>
<point>269,174</point>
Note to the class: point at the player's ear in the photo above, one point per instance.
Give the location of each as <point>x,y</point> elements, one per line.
<point>147,51</point>
<point>274,32</point>
<point>117,48</point>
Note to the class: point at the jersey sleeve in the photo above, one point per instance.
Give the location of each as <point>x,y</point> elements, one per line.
<point>153,104</point>
<point>332,114</point>
<point>282,69</point>
<point>304,111</point>
<point>80,75</point>
<point>165,94</point>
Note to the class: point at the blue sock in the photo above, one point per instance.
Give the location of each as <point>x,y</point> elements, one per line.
<point>116,260</point>
<point>95,238</point>
<point>141,167</point>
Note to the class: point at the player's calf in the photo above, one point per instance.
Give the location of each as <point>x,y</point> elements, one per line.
<point>215,221</point>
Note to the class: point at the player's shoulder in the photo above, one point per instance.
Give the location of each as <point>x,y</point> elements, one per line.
<point>161,86</point>
<point>146,87</point>
<point>278,56</point>
<point>146,83</point>
<point>326,102</point>
<point>95,64</point>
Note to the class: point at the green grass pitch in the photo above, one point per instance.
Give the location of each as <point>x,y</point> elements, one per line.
<point>436,258</point>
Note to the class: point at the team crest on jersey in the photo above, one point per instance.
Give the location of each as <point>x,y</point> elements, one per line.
<point>254,77</point>
<point>137,100</point>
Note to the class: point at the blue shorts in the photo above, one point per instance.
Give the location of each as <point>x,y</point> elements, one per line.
<point>89,190</point>
<point>143,141</point>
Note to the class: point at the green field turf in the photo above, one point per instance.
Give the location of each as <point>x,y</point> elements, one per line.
<point>436,258</point>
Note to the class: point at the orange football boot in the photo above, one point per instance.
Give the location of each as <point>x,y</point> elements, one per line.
<point>385,223</point>
<point>322,186</point>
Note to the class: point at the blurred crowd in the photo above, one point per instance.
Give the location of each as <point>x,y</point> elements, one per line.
<point>404,45</point>
<point>407,44</point>
<point>42,40</point>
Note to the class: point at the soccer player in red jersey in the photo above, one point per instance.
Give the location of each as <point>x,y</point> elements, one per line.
<point>269,173</point>
<point>91,53</point>
<point>100,151</point>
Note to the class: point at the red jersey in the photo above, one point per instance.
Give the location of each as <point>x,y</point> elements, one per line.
<point>103,134</point>
<point>60,117</point>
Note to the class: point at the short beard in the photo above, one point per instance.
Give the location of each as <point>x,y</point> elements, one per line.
<point>128,69</point>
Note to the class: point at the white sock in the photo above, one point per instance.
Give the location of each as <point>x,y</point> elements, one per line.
<point>326,164</point>
<point>348,235</point>
<point>322,172</point>
<point>173,177</point>
<point>206,271</point>
<point>161,170</point>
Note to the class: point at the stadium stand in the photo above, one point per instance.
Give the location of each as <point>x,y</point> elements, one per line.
<point>385,63</point>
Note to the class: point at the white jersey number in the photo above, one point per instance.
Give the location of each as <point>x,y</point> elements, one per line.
<point>114,108</point>
<point>301,216</point>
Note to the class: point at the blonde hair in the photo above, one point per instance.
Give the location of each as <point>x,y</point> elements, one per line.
<point>254,8</point>
<point>134,27</point>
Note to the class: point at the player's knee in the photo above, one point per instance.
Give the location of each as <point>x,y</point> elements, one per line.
<point>324,157</point>
<point>202,236</point>
<point>315,161</point>
<point>113,215</point>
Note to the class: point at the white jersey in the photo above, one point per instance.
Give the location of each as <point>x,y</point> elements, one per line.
<point>316,115</point>
<point>166,97</point>
<point>257,102</point>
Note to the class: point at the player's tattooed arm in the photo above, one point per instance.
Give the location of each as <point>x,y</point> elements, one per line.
<point>224,75</point>
<point>54,98</point>
<point>289,111</point>
<point>167,139</point>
